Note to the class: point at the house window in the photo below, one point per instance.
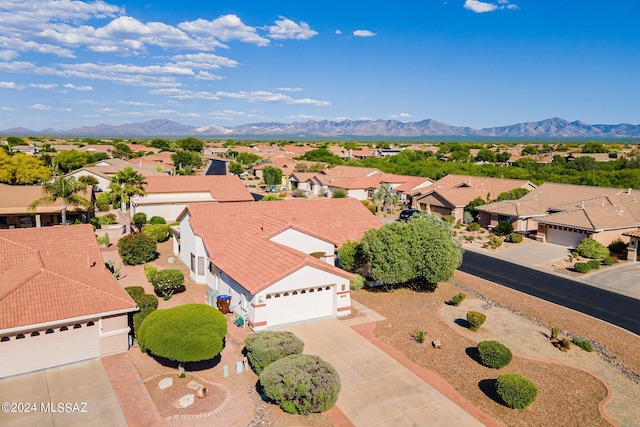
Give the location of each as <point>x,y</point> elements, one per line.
<point>200,265</point>
<point>286,294</point>
<point>311,290</point>
<point>327,288</point>
<point>303,291</point>
<point>193,263</point>
<point>211,268</point>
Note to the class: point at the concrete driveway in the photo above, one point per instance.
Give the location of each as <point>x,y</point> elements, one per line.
<point>82,388</point>
<point>376,389</point>
<point>533,253</point>
<point>621,278</point>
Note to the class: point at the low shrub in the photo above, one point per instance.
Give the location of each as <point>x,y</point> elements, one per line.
<point>503,228</point>
<point>373,209</point>
<point>565,344</point>
<point>95,221</point>
<point>298,193</point>
<point>516,390</point>
<point>449,218</point>
<point>301,384</point>
<point>419,336</point>
<point>515,238</point>
<point>474,226</point>
<point>581,267</point>
<point>137,248</point>
<point>554,330</point>
<point>582,343</point>
<point>264,348</point>
<point>357,283</point>
<point>459,226</point>
<point>457,299</point>
<point>608,261</point>
<point>103,207</point>
<point>574,254</point>
<point>148,301</point>
<point>107,219</point>
<point>100,240</point>
<point>618,246</point>
<point>495,242</point>
<point>138,318</point>
<point>157,220</point>
<point>139,218</point>
<point>166,282</point>
<point>135,292</point>
<point>149,270</point>
<point>106,240</point>
<point>160,232</point>
<point>593,264</point>
<point>590,248</point>
<point>494,354</point>
<point>475,319</point>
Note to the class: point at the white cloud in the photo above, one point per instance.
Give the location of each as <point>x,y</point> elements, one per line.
<point>364,33</point>
<point>289,89</point>
<point>40,107</point>
<point>7,109</point>
<point>7,55</point>
<point>183,94</point>
<point>44,86</point>
<point>401,116</point>
<point>79,88</point>
<point>285,28</point>
<point>249,96</point>
<point>16,44</point>
<point>305,117</point>
<point>225,28</point>
<point>203,61</point>
<point>205,75</point>
<point>479,7</point>
<point>338,32</point>
<point>9,85</point>
<point>137,103</point>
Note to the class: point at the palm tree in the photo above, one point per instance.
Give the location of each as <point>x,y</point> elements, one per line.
<point>386,195</point>
<point>124,185</point>
<point>65,189</point>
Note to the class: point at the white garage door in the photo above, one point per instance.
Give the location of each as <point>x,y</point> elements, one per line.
<point>47,348</point>
<point>564,236</point>
<point>299,305</point>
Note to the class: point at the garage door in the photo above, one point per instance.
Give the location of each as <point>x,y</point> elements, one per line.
<point>564,236</point>
<point>47,348</point>
<point>300,305</point>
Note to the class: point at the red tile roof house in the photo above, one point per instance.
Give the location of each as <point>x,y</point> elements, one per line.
<point>275,259</point>
<point>58,302</point>
<point>450,194</point>
<point>167,196</point>
<point>565,214</point>
<point>318,183</point>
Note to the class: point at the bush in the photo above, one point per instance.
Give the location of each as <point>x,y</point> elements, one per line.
<point>103,207</point>
<point>357,283</point>
<point>157,220</point>
<point>449,218</point>
<point>139,218</point>
<point>516,390</point>
<point>103,201</point>
<point>574,254</point>
<point>419,336</point>
<point>589,248</point>
<point>457,299</point>
<point>137,248</point>
<point>107,219</point>
<point>495,242</point>
<point>350,255</point>
<point>166,282</point>
<point>565,344</point>
<point>135,292</point>
<point>160,232</point>
<point>106,240</point>
<point>475,319</point>
<point>138,318</point>
<point>554,330</point>
<point>581,267</point>
<point>339,193</point>
<point>503,228</point>
<point>301,384</point>
<point>583,344</point>
<point>618,246</point>
<point>149,271</point>
<point>148,301</point>
<point>95,222</point>
<point>608,261</point>
<point>494,354</point>
<point>593,264</point>
<point>514,238</point>
<point>264,348</point>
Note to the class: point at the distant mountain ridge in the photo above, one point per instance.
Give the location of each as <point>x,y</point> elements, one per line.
<point>554,127</point>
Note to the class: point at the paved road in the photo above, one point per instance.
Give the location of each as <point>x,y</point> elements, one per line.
<point>614,308</point>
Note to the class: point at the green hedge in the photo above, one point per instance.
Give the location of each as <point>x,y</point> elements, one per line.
<point>516,390</point>
<point>458,298</point>
<point>475,319</point>
<point>139,218</point>
<point>166,282</point>
<point>135,292</point>
<point>494,354</point>
<point>581,267</point>
<point>139,317</point>
<point>160,232</point>
<point>157,220</point>
<point>137,248</point>
<point>582,343</point>
<point>148,301</point>
<point>515,238</point>
<point>590,248</point>
<point>301,384</point>
<point>608,261</point>
<point>618,247</point>
<point>264,348</point>
<point>593,264</point>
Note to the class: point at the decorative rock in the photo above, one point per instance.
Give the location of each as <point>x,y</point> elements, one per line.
<point>171,260</point>
<point>437,344</point>
<point>186,400</point>
<point>201,392</point>
<point>165,383</point>
<point>193,385</point>
<point>181,371</point>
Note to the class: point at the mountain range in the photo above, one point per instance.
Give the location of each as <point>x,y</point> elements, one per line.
<point>549,128</point>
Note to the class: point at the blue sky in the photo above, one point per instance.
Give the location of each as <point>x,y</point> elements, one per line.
<point>70,63</point>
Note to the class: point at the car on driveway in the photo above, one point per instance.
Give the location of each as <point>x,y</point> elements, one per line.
<point>407,213</point>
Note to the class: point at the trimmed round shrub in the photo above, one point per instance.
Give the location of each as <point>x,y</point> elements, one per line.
<point>160,232</point>
<point>608,261</point>
<point>138,318</point>
<point>593,264</point>
<point>157,220</point>
<point>166,282</point>
<point>264,348</point>
<point>618,246</point>
<point>301,384</point>
<point>186,333</point>
<point>458,298</point>
<point>148,301</point>
<point>516,390</point>
<point>135,292</point>
<point>475,319</point>
<point>107,219</point>
<point>581,267</point>
<point>357,283</point>
<point>494,354</point>
<point>137,248</point>
<point>515,238</point>
<point>590,248</point>
<point>139,218</point>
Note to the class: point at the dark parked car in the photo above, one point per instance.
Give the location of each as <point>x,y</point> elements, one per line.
<point>407,213</point>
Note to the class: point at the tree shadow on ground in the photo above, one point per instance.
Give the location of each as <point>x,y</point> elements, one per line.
<point>488,387</point>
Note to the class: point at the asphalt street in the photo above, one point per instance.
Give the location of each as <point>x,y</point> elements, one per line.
<point>614,308</point>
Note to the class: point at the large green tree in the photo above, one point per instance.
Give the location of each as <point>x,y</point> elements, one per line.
<point>272,176</point>
<point>186,159</point>
<point>126,184</point>
<point>191,144</point>
<point>64,189</point>
<point>418,253</point>
<point>386,196</point>
<point>70,160</point>
<point>22,169</point>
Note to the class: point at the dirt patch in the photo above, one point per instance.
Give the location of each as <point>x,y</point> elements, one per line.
<point>166,399</point>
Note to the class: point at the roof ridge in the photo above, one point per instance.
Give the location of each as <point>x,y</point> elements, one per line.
<point>36,266</point>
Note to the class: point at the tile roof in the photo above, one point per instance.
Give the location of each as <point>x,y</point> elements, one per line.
<point>223,188</point>
<point>15,199</point>
<point>481,184</point>
<point>45,276</point>
<point>237,236</point>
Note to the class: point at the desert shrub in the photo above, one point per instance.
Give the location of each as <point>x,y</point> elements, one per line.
<point>149,271</point>
<point>264,348</point>
<point>137,248</point>
<point>139,218</point>
<point>475,319</point>
<point>574,254</point>
<point>608,261</point>
<point>373,209</point>
<point>581,267</point>
<point>618,246</point>
<point>357,283</point>
<point>102,202</point>
<point>457,299</point>
<point>107,219</point>
<point>582,343</point>
<point>458,226</point>
<point>516,390</point>
<point>106,240</point>
<point>449,218</point>
<point>166,282</point>
<point>515,238</point>
<point>474,226</point>
<point>589,248</point>
<point>495,242</point>
<point>419,336</point>
<point>339,193</point>
<point>301,384</point>
<point>135,292</point>
<point>160,232</point>
<point>100,240</point>
<point>157,220</point>
<point>95,222</point>
<point>494,354</point>
<point>148,301</point>
<point>593,264</point>
<point>350,255</point>
<point>298,193</point>
<point>565,344</point>
<point>138,318</point>
<point>503,228</point>
<point>554,330</point>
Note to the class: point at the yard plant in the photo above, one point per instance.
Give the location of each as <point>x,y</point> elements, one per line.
<point>264,348</point>
<point>581,267</point>
<point>516,390</point>
<point>137,248</point>
<point>494,354</point>
<point>582,343</point>
<point>458,298</point>
<point>590,248</point>
<point>166,282</point>
<point>475,319</point>
<point>160,232</point>
<point>301,384</point>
